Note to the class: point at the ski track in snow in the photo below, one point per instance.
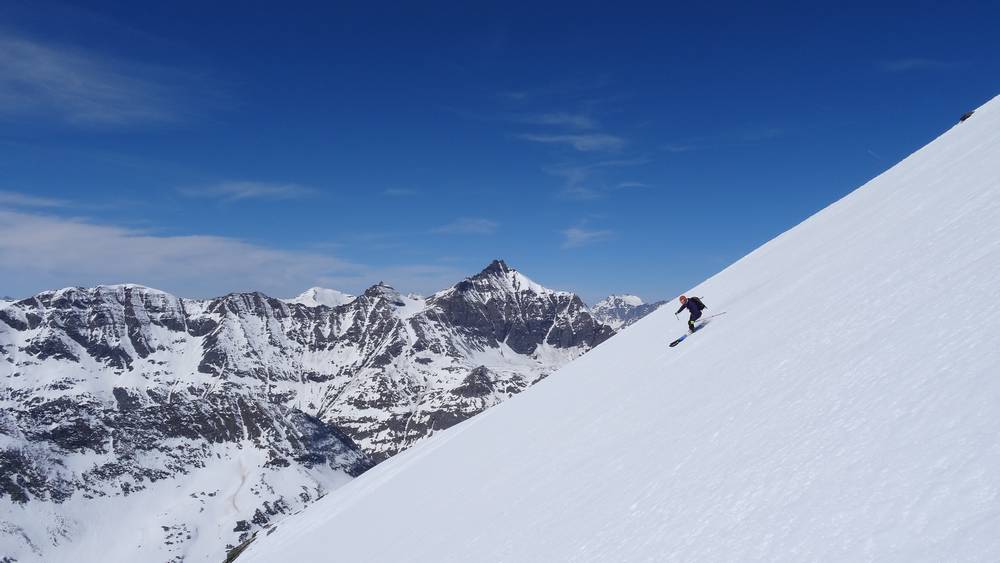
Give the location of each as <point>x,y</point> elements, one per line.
<point>846,408</point>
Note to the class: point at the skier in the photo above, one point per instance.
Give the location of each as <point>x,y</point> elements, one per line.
<point>695,306</point>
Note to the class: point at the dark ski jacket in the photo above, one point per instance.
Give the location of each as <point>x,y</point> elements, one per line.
<point>693,304</point>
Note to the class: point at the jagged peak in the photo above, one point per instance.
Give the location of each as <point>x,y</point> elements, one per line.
<point>102,288</point>
<point>382,290</point>
<point>243,294</point>
<point>134,286</point>
<point>499,273</point>
<point>406,305</point>
<point>497,266</point>
<point>80,292</point>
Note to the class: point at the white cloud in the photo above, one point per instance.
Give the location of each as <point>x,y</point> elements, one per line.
<point>589,142</point>
<point>239,191</point>
<point>41,252</point>
<point>16,199</point>
<point>468,226</point>
<point>575,237</point>
<point>78,86</point>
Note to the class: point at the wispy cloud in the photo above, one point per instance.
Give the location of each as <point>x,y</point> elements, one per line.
<point>630,185</point>
<point>680,147</point>
<point>80,87</point>
<point>760,134</point>
<point>399,192</point>
<point>916,63</point>
<point>40,251</point>
<point>240,191</point>
<point>589,142</point>
<point>581,193</point>
<point>579,181</point>
<point>468,226</point>
<point>748,137</point>
<point>17,199</point>
<point>569,88</point>
<point>564,119</point>
<point>575,237</point>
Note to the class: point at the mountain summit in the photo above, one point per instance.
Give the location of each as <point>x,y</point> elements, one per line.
<point>845,408</point>
<point>192,424</point>
<point>321,296</point>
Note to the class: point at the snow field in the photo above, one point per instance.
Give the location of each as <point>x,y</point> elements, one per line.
<point>845,408</point>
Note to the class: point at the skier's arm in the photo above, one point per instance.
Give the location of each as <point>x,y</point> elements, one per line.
<point>681,309</point>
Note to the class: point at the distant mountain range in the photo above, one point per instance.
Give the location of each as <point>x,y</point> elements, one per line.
<point>620,311</point>
<point>190,424</point>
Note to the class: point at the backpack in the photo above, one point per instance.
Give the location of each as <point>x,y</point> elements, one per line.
<point>701,306</point>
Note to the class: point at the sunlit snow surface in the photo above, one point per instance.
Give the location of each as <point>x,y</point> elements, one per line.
<point>321,296</point>
<point>846,408</point>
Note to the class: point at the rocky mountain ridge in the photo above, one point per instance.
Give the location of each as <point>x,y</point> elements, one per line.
<point>115,394</point>
<point>620,311</point>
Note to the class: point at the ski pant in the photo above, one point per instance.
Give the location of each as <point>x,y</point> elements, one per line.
<point>695,315</point>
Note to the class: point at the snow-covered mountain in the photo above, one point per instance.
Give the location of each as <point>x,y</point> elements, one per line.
<point>321,296</point>
<point>189,425</point>
<point>844,408</point>
<point>620,311</point>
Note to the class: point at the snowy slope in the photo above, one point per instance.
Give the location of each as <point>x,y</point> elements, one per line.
<point>845,408</point>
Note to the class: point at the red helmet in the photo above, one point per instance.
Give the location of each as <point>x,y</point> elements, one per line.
<point>683,299</point>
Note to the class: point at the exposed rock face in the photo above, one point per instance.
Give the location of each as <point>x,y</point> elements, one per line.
<point>200,422</point>
<point>110,405</point>
<point>620,311</point>
<point>500,305</point>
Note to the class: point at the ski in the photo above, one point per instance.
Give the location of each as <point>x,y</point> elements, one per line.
<point>681,339</point>
<point>697,327</point>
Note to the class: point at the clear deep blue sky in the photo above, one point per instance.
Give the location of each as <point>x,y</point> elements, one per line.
<point>599,147</point>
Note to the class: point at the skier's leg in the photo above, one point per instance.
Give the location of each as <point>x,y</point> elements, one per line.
<point>695,315</point>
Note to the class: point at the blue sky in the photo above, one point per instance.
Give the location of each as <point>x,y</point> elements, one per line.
<point>609,147</point>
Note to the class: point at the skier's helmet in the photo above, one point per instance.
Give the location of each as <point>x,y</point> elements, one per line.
<point>683,299</point>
